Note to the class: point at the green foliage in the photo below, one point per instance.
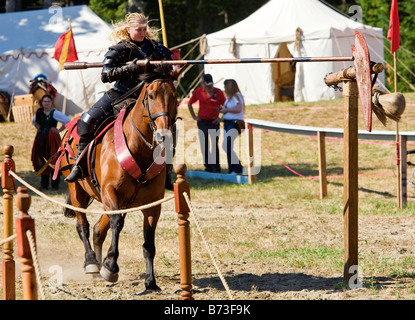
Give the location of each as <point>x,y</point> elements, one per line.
<point>109,10</point>
<point>377,13</point>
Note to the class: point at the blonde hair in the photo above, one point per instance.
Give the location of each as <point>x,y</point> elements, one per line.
<point>231,88</point>
<point>120,28</point>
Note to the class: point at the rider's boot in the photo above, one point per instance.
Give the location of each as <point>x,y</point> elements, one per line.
<point>86,128</point>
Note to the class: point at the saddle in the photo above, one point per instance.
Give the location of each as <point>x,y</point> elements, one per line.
<point>123,153</point>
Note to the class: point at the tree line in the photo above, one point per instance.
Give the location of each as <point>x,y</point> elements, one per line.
<point>188,19</point>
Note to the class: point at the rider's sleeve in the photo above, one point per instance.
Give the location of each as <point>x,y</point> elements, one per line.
<point>161,52</point>
<point>114,67</point>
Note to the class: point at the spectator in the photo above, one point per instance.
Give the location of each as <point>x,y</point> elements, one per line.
<point>233,116</point>
<point>47,140</point>
<point>210,100</point>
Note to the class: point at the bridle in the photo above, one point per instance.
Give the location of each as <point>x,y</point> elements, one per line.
<point>157,138</point>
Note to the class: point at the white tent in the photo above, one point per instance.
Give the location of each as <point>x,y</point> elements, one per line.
<point>284,28</point>
<point>27,42</point>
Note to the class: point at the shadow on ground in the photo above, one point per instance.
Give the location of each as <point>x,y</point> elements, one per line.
<point>286,282</point>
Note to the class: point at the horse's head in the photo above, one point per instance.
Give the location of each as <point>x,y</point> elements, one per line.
<point>160,100</point>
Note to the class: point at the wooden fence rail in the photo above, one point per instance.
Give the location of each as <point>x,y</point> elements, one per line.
<point>321,133</point>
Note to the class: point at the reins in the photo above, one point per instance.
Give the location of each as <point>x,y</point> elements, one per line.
<point>151,146</point>
<point>151,117</point>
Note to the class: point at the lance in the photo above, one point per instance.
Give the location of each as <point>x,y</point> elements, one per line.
<point>86,65</point>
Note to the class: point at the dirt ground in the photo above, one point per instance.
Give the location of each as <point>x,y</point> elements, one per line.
<point>247,278</point>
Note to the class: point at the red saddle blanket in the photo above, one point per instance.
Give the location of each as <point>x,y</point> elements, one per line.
<point>122,151</point>
<point>73,133</point>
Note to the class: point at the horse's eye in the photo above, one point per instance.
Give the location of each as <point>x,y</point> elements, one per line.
<point>151,95</point>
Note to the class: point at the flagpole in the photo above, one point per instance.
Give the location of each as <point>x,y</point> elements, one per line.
<point>394,36</point>
<point>398,157</point>
<point>65,102</point>
<point>82,76</point>
<point>163,27</point>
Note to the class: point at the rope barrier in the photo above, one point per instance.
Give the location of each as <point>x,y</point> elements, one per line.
<point>11,238</point>
<point>35,262</point>
<point>318,177</point>
<point>188,42</point>
<point>33,245</point>
<point>147,206</point>
<point>207,246</point>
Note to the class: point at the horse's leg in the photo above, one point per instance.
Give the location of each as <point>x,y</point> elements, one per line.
<point>109,269</point>
<point>80,199</point>
<point>151,217</point>
<point>82,226</point>
<point>100,232</point>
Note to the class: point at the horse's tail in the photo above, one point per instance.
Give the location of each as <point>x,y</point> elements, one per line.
<point>69,213</point>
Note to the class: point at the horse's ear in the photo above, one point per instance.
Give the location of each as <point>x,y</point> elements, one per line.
<point>175,74</point>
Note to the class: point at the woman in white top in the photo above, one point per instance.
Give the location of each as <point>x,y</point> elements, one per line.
<point>233,111</point>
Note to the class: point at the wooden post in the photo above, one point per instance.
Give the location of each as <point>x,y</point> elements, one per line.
<point>182,209</point>
<point>249,132</point>
<point>398,166</point>
<point>7,184</point>
<point>350,191</point>
<point>403,168</point>
<point>322,163</point>
<point>25,222</point>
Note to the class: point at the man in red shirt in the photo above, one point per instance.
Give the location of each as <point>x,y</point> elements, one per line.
<point>210,100</point>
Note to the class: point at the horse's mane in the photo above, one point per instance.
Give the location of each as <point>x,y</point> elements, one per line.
<point>155,72</point>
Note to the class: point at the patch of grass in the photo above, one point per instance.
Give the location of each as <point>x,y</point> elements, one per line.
<point>245,244</point>
<point>278,222</point>
<point>320,257</point>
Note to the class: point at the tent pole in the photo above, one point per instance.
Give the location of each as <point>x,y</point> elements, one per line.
<point>21,56</point>
<point>65,98</point>
<point>85,94</point>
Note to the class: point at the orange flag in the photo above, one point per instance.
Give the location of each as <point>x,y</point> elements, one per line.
<point>65,50</point>
<point>393,32</point>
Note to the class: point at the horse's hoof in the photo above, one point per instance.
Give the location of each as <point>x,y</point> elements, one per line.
<point>152,287</point>
<point>92,268</point>
<point>108,275</point>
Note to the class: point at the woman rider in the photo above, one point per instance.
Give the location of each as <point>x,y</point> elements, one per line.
<point>136,41</point>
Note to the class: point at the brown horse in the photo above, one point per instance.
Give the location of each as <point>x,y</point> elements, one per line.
<point>154,112</point>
